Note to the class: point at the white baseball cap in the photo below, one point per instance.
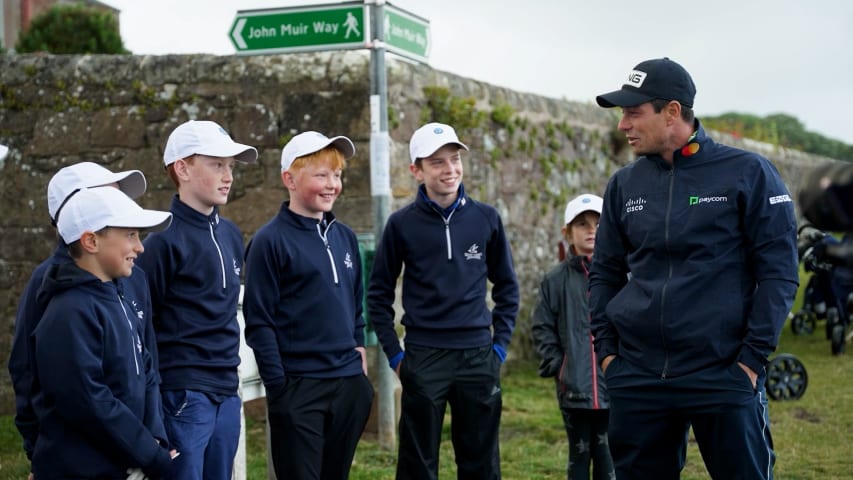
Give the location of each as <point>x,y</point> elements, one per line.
<point>92,209</point>
<point>203,137</point>
<point>86,175</point>
<point>582,203</point>
<point>430,137</point>
<point>309,142</point>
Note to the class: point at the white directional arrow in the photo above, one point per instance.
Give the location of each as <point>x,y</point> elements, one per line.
<point>236,34</point>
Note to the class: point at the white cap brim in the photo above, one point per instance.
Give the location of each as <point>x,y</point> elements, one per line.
<point>93,209</point>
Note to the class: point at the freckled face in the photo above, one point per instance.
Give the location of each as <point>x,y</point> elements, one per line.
<point>313,189</point>
<point>209,184</point>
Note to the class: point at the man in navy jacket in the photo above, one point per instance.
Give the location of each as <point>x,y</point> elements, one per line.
<point>708,235</point>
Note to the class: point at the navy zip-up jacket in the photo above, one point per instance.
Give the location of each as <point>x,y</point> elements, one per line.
<point>193,269</point>
<point>134,291</point>
<point>99,410</point>
<point>711,244</point>
<point>447,260</point>
<point>303,298</point>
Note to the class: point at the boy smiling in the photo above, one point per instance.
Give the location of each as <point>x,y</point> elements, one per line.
<point>303,310</point>
<point>98,380</point>
<point>450,246</point>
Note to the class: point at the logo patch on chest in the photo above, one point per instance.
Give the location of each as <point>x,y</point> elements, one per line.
<point>473,253</point>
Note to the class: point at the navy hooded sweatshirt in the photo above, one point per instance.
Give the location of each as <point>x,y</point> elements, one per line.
<point>448,258</point>
<point>135,292</point>
<point>193,269</point>
<point>99,409</point>
<point>710,242</point>
<point>303,298</point>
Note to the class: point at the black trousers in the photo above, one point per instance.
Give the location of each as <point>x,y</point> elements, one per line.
<point>586,430</point>
<point>469,380</point>
<point>648,424</point>
<point>315,425</point>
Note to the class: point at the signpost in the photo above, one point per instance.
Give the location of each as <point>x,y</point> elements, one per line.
<point>342,26</point>
<point>406,34</point>
<point>300,29</point>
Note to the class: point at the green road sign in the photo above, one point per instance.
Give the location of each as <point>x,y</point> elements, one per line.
<point>406,34</point>
<point>301,29</point>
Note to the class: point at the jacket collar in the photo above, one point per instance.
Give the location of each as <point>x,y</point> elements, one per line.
<point>304,223</point>
<point>424,200</point>
<point>580,263</point>
<point>193,216</point>
<point>694,151</point>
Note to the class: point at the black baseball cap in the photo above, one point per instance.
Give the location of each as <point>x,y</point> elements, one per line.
<point>659,78</point>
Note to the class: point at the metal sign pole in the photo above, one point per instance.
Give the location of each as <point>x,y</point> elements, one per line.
<point>380,188</point>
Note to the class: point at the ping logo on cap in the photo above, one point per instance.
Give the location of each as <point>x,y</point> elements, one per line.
<point>438,130</point>
<point>636,78</point>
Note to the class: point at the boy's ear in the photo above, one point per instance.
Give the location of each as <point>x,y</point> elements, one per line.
<point>287,180</point>
<point>415,169</point>
<point>182,169</point>
<point>89,242</point>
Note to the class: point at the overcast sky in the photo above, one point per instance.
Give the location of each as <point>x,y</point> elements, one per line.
<point>749,56</point>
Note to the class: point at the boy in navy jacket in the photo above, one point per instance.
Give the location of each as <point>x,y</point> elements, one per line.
<point>193,270</point>
<point>450,246</point>
<point>65,183</point>
<point>303,311</point>
<point>99,403</point>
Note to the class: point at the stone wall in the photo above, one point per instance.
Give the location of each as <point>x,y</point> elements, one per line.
<point>530,154</point>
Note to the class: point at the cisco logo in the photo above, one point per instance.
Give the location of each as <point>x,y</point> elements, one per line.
<point>634,204</point>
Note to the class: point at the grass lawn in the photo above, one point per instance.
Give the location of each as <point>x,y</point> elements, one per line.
<point>812,435</point>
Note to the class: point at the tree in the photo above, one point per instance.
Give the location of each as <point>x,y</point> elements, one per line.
<point>72,29</point>
<point>779,129</point>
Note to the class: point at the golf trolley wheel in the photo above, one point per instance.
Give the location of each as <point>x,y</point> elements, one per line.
<point>787,378</point>
<point>803,323</point>
<point>831,320</point>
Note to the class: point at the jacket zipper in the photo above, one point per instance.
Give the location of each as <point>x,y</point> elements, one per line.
<point>668,274</point>
<point>595,403</point>
<point>322,234</point>
<point>133,345</point>
<point>447,234</point>
<point>219,251</point>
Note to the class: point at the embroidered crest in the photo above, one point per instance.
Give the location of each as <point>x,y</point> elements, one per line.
<point>473,253</point>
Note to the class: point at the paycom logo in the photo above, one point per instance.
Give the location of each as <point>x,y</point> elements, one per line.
<point>697,200</point>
